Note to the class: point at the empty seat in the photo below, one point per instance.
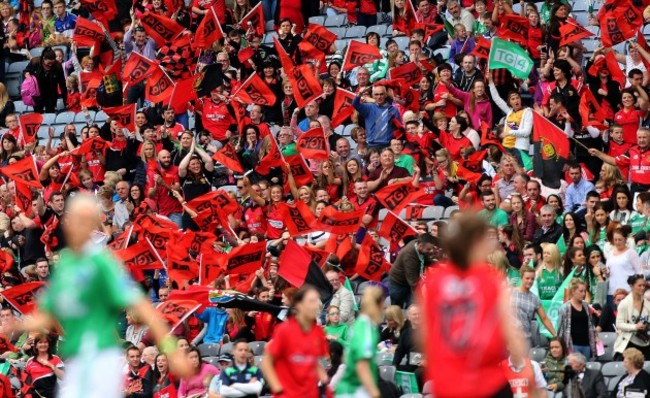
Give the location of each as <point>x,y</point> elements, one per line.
<point>356,31</point>
<point>257,360</point>
<point>402,42</point>
<point>48,119</point>
<point>379,29</point>
<point>340,44</point>
<point>257,347</point>
<point>209,350</point>
<point>214,361</point>
<point>612,371</point>
<point>318,20</point>
<point>81,118</point>
<point>36,52</point>
<point>335,20</point>
<point>347,132</point>
<point>270,26</point>
<point>537,354</point>
<point>382,214</point>
<point>608,338</point>
<point>16,67</point>
<point>339,32</point>
<point>450,210</point>
<point>339,130</point>
<point>433,212</point>
<point>100,116</point>
<point>226,349</point>
<point>387,373</point>
<point>384,358</point>
<point>65,117</point>
<point>595,365</point>
<point>20,107</point>
<point>42,132</point>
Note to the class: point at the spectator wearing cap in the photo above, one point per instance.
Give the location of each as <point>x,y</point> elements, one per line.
<point>342,297</point>
<point>379,116</point>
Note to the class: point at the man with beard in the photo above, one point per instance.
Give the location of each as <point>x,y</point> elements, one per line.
<point>491,213</point>
<point>166,179</point>
<point>408,268</point>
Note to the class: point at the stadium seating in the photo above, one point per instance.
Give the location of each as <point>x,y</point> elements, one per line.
<point>387,373</point>
<point>257,347</point>
<point>612,371</point>
<point>209,350</point>
<point>226,349</point>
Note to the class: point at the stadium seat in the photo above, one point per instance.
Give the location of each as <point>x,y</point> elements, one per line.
<point>355,32</point>
<point>449,210</point>
<point>270,26</point>
<point>379,29</point>
<point>257,360</point>
<point>612,371</point>
<point>578,6</point>
<point>42,132</point>
<point>226,349</point>
<point>229,188</point>
<point>611,383</point>
<point>402,42</point>
<point>209,350</point>
<point>214,361</point>
<point>339,32</point>
<point>20,107</point>
<point>537,354</point>
<point>340,45</point>
<point>387,373</point>
<point>79,126</point>
<point>81,118</point>
<point>48,119</point>
<point>646,366</point>
<point>411,396</point>
<point>65,117</point>
<point>348,129</point>
<point>595,365</point>
<point>582,18</point>
<point>339,129</point>
<point>433,212</point>
<point>100,117</point>
<point>335,21</point>
<point>608,338</point>
<point>646,29</point>
<point>36,52</point>
<point>318,20</point>
<point>257,347</point>
<point>382,214</point>
<point>384,358</point>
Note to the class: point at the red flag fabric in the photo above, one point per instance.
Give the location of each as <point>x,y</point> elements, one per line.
<point>615,69</point>
<point>298,218</point>
<point>395,197</point>
<point>176,311</point>
<point>429,28</point>
<point>24,198</point>
<point>590,111</point>
<point>573,32</point>
<point>254,20</point>
<point>245,259</point>
<point>23,171</point>
<point>139,256</point>
<point>318,256</point>
<point>294,263</point>
<point>6,261</point>
<point>161,29</point>
<point>514,27</point>
<point>209,31</point>
<point>167,392</point>
<point>137,68</point>
<point>255,91</point>
<point>159,86</point>
<point>124,115</point>
<point>467,174</point>
<point>272,159</point>
<point>218,199</point>
<point>310,54</point>
<point>343,108</point>
<point>618,20</point>
<point>338,222</point>
<point>182,93</point>
<point>22,297</point>
<point>245,54</point>
<point>394,229</point>
<point>210,268</point>
<point>482,48</point>
<point>103,10</point>
<point>87,33</point>
<point>410,72</point>
<point>301,173</point>
<point>285,59</point>
<point>89,88</point>
<point>29,124</point>
<point>358,54</point>
<point>489,138</point>
<point>306,87</point>
<point>198,242</point>
<point>180,267</point>
<point>554,142</point>
<point>319,37</point>
<point>313,144</point>
<point>95,144</point>
<point>228,157</point>
<point>371,263</point>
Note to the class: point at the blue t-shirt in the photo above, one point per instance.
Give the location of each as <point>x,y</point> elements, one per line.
<point>216,320</point>
<point>66,25</point>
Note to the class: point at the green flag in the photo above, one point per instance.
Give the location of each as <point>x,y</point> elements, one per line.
<point>561,245</point>
<point>449,27</point>
<point>508,55</point>
<point>348,286</point>
<point>552,307</point>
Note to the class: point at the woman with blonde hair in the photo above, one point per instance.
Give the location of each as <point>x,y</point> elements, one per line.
<point>576,327</point>
<point>359,378</point>
<point>444,177</point>
<point>359,135</point>
<point>636,378</point>
<point>6,105</point>
<point>499,261</point>
<point>136,329</point>
<point>395,321</point>
<point>610,176</point>
<point>549,271</point>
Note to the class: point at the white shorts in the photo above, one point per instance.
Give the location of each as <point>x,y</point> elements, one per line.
<point>98,376</point>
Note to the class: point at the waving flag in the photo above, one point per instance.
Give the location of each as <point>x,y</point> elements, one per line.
<point>298,218</point>
<point>245,259</point>
<point>255,91</point>
<point>209,31</point>
<point>301,173</point>
<point>482,48</point>
<point>161,29</point>
<point>29,124</point>
<point>395,197</point>
<point>24,198</point>
<point>618,20</point>
<point>298,268</point>
<point>338,222</point>
<point>510,56</point>
<point>371,263</point>
<point>23,297</point>
<point>313,144</point>
<point>136,69</point>
<point>177,311</point>
<point>306,87</point>
<point>343,108</point>
<point>572,32</point>
<point>228,157</point>
<point>359,54</point>
<point>394,229</point>
<point>159,86</point>
<point>555,142</point>
<point>124,115</point>
<point>590,111</point>
<point>254,20</point>
<point>319,37</point>
<point>89,145</point>
<point>410,72</point>
<point>514,27</point>
<point>23,171</point>
<point>139,256</point>
<point>87,33</point>
<point>102,10</point>
<point>178,58</point>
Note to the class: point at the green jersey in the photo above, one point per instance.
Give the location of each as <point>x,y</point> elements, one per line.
<point>86,295</point>
<point>637,222</point>
<point>340,331</point>
<point>513,277</point>
<point>548,283</point>
<point>363,338</point>
<point>496,218</point>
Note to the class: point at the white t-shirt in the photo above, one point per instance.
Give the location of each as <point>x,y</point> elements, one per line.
<point>620,268</point>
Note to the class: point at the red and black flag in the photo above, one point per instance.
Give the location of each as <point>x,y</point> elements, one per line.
<point>489,138</point>
<point>245,259</point>
<point>124,115</point>
<point>410,72</point>
<point>6,260</point>
<point>359,54</point>
<point>395,197</point>
<point>245,53</point>
<point>482,48</point>
<point>159,86</point>
<point>552,149</point>
<point>371,261</point>
<point>338,222</point>
<point>641,41</point>
<point>29,124</point>
<point>468,174</point>
<point>300,171</point>
<point>343,108</point>
<point>319,37</point>
<point>255,91</point>
<point>180,267</point>
<point>615,69</point>
<point>572,31</point>
<point>23,297</point>
<point>102,10</point>
<point>306,87</point>
<point>619,20</point>
<point>89,83</point>
<point>87,33</point>
<point>24,198</point>
<point>161,29</point>
<point>272,159</point>
<point>298,268</point>
<point>298,218</point>
<point>228,157</point>
<point>197,242</point>
<point>313,144</point>
<point>178,58</point>
<point>590,111</point>
<point>254,21</point>
<point>218,199</point>
<point>177,311</point>
<point>514,27</point>
<point>429,28</point>
<point>136,69</point>
<point>139,257</point>
<point>394,229</point>
<point>310,54</point>
<point>182,93</point>
<point>319,256</point>
<point>209,31</point>
<point>23,171</point>
<point>91,145</point>
<point>210,267</point>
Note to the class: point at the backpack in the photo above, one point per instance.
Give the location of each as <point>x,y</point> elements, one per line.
<point>29,91</point>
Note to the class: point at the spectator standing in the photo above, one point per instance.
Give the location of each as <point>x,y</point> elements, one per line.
<point>51,80</point>
<point>379,116</point>
<point>408,268</point>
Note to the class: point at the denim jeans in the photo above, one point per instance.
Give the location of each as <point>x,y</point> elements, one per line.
<point>183,119</point>
<point>268,7</point>
<point>442,200</point>
<point>584,350</point>
<point>399,295</point>
<point>176,218</point>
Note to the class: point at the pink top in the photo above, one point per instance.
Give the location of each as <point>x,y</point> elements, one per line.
<point>482,109</point>
<point>196,384</point>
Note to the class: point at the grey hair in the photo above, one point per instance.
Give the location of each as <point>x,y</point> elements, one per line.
<point>579,357</point>
<point>548,208</point>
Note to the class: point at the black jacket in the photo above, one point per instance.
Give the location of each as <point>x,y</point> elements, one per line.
<point>641,382</point>
<point>593,385</point>
<point>550,236</point>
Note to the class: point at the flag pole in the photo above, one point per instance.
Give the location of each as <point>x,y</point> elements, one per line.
<point>579,143</point>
